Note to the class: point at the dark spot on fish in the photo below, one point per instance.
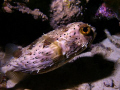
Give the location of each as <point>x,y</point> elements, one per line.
<point>17,53</point>
<point>33,44</point>
<point>43,60</point>
<point>30,53</point>
<point>74,33</point>
<point>74,28</point>
<point>76,38</point>
<point>36,57</point>
<point>64,29</point>
<point>25,65</point>
<point>48,41</point>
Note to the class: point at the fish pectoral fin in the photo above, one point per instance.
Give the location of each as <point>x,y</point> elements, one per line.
<point>14,78</point>
<point>10,83</point>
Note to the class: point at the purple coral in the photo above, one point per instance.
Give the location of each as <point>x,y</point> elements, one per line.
<point>104,11</point>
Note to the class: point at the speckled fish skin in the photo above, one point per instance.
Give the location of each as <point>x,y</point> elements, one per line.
<point>52,50</point>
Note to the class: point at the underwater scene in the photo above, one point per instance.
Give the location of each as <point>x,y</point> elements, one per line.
<point>60,45</point>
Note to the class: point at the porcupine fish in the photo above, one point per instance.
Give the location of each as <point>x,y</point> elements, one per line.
<point>48,52</point>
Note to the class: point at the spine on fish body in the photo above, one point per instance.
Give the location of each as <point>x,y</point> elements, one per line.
<point>52,50</point>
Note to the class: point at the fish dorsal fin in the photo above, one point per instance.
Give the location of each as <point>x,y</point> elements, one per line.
<point>11,50</point>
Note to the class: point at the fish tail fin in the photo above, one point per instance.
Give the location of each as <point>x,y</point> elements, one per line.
<point>14,78</point>
<point>11,51</point>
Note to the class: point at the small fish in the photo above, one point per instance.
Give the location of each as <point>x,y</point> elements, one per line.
<point>48,52</point>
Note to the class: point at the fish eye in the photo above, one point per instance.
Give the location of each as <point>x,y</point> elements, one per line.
<point>85,30</point>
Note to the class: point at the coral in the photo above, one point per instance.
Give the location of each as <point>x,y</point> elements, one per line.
<point>114,39</point>
<point>109,10</point>
<point>104,11</point>
<point>65,11</point>
<point>24,9</point>
<point>114,5</point>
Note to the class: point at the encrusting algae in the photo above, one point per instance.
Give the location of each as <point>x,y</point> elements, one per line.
<point>47,53</point>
